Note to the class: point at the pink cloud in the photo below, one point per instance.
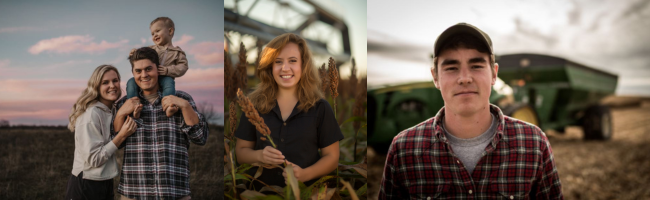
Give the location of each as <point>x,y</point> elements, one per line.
<point>208,53</point>
<point>74,43</point>
<point>183,41</point>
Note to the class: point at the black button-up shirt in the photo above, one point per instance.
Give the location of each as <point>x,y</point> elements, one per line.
<point>298,138</point>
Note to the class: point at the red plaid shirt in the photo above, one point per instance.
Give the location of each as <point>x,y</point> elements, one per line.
<point>517,164</point>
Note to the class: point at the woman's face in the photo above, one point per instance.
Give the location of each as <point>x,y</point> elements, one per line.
<point>287,67</point>
<point>109,88</point>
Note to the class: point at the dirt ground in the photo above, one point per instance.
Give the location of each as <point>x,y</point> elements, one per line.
<point>615,169</point>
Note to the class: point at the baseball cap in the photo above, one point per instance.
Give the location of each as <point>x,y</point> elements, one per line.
<point>461,28</point>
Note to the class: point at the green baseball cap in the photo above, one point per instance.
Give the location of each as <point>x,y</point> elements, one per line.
<point>461,28</point>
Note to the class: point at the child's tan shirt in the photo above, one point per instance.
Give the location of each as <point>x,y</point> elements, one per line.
<point>172,58</point>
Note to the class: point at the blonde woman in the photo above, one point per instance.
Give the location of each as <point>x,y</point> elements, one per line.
<point>292,105</point>
<point>95,164</point>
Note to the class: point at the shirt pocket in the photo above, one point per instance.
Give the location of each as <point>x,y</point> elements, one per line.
<point>510,190</point>
<point>438,191</point>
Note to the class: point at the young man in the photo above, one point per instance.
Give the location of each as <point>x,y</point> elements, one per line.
<point>469,150</point>
<point>156,162</point>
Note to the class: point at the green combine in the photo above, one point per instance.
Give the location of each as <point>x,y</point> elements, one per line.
<point>548,91</point>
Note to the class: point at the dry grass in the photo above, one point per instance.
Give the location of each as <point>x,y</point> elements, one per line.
<point>36,164</point>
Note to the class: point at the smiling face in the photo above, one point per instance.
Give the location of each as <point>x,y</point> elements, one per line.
<point>160,33</point>
<point>109,88</point>
<point>145,74</point>
<point>287,67</point>
<point>465,80</point>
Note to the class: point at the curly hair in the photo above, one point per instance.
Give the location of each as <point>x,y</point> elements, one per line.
<point>265,94</point>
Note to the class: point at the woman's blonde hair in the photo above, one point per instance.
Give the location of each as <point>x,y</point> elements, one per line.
<point>91,94</point>
<point>265,94</point>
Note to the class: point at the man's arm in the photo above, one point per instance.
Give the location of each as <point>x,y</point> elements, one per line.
<point>549,186</point>
<point>195,125</point>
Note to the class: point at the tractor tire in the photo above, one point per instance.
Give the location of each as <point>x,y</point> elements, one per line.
<point>523,112</point>
<point>597,123</point>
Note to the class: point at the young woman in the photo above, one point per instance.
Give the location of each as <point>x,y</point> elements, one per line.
<point>94,164</point>
<point>301,121</point>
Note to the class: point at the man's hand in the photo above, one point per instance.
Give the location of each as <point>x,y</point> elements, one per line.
<point>172,100</point>
<point>298,172</point>
<point>271,155</point>
<point>162,70</point>
<point>129,106</point>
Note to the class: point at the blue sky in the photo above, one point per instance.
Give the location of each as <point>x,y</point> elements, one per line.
<point>50,48</point>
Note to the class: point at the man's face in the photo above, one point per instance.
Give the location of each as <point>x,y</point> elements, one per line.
<point>145,74</point>
<point>465,80</point>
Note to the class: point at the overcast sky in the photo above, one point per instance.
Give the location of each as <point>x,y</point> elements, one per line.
<point>50,48</point>
<point>609,35</point>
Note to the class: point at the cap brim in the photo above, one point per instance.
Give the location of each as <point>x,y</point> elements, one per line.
<point>461,28</point>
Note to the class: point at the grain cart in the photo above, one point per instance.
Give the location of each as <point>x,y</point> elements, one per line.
<point>549,92</point>
<point>561,92</point>
<point>392,109</point>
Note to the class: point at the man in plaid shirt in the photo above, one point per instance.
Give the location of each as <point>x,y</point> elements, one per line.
<point>156,156</point>
<point>469,150</point>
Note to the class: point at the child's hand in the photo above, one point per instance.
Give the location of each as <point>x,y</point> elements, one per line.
<point>131,53</point>
<point>162,70</point>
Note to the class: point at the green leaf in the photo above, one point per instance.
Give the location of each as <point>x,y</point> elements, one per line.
<point>243,168</point>
<point>292,181</point>
<point>361,191</point>
<point>354,118</point>
<point>237,177</point>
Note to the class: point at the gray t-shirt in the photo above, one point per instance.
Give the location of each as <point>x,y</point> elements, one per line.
<point>470,151</point>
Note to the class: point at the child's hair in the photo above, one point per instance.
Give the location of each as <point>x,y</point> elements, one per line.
<point>265,94</point>
<point>168,22</point>
<point>144,53</point>
<point>91,94</point>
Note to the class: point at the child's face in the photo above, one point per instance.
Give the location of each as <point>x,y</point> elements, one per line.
<point>287,67</point>
<point>160,33</point>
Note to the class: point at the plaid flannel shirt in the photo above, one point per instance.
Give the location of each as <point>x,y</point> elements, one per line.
<point>156,157</point>
<point>517,164</point>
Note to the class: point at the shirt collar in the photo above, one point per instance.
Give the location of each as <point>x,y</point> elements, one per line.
<point>142,98</point>
<point>438,132</point>
<point>171,48</point>
<point>295,110</point>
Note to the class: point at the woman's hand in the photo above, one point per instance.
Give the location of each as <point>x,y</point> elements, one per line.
<point>128,128</point>
<point>298,172</point>
<point>271,155</point>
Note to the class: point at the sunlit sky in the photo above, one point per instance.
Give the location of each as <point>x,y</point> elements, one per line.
<point>608,35</point>
<point>353,14</point>
<point>50,48</point>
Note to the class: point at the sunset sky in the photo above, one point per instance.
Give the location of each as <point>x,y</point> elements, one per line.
<point>50,49</point>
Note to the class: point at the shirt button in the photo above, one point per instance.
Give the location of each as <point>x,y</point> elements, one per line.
<point>428,198</point>
<point>285,123</point>
<point>470,191</point>
<point>457,161</point>
<point>511,197</point>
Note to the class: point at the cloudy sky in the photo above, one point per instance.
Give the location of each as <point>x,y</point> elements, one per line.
<point>605,34</point>
<point>50,48</point>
